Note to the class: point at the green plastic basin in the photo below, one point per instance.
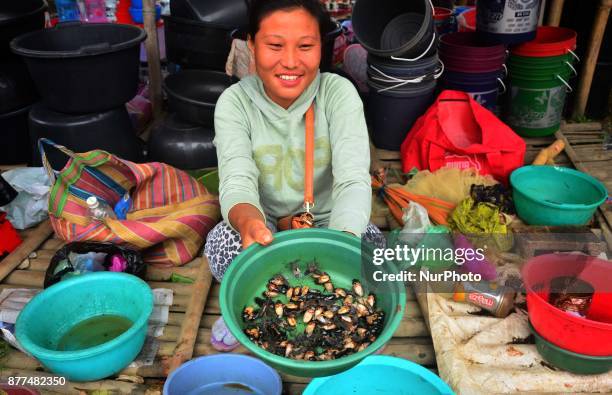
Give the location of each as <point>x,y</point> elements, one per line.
<point>55,311</point>
<point>555,196</point>
<point>570,361</point>
<point>337,253</point>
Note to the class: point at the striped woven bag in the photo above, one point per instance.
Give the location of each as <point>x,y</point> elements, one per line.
<point>171,212</point>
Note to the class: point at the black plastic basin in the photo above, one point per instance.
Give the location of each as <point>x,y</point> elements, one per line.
<point>83,68</point>
<point>197,45</point>
<point>192,94</point>
<point>14,137</point>
<point>110,131</point>
<point>182,144</point>
<point>18,17</point>
<point>16,87</point>
<point>230,13</point>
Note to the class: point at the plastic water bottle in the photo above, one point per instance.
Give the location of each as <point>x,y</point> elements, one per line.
<point>67,10</point>
<point>96,11</point>
<point>99,210</point>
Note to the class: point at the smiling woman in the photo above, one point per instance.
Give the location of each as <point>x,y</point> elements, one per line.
<point>260,136</point>
<point>287,47</point>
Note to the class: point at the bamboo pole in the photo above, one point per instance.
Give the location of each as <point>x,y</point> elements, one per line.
<point>36,238</point>
<point>555,12</point>
<point>189,329</point>
<point>152,47</point>
<point>590,61</point>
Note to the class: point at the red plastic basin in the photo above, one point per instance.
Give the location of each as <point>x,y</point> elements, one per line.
<point>591,335</point>
<point>549,41</point>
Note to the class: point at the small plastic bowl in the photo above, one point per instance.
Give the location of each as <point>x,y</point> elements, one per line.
<point>211,374</point>
<point>570,361</point>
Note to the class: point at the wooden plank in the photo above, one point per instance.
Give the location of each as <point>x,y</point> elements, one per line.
<point>189,328</point>
<point>384,154</point>
<point>4,168</point>
<point>580,126</point>
<point>42,233</point>
<point>606,230</point>
<point>27,278</point>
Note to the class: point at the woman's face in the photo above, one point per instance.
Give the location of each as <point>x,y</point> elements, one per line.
<point>287,51</point>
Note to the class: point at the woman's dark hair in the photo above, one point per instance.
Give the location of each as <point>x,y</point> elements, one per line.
<point>259,9</point>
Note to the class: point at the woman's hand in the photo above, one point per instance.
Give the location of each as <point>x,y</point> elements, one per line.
<point>249,222</point>
<point>255,231</point>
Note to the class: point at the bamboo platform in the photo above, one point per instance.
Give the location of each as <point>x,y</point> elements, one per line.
<point>187,334</point>
<point>196,306</point>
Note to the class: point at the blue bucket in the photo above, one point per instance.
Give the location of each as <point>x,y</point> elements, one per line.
<point>482,87</point>
<point>381,375</point>
<point>224,374</point>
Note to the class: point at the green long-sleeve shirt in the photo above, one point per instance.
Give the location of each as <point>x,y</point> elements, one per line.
<point>260,148</point>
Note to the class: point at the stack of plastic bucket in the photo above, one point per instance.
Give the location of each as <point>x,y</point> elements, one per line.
<point>399,94</point>
<point>473,66</point>
<point>507,22</point>
<point>539,73</point>
<point>402,64</point>
<point>444,21</point>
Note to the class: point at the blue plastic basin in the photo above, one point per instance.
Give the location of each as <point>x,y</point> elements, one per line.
<point>56,310</point>
<point>224,374</point>
<point>381,375</point>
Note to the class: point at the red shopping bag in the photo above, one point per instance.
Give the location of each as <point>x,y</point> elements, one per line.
<point>458,132</point>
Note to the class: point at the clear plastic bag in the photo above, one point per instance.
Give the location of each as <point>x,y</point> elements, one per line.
<point>416,224</point>
<point>30,206</point>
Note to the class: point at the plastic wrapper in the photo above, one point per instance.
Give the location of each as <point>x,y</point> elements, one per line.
<point>416,224</point>
<point>30,206</point>
<point>61,265</point>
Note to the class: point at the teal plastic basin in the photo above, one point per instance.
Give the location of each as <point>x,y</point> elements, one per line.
<point>53,312</point>
<point>381,375</point>
<point>555,196</point>
<point>338,254</point>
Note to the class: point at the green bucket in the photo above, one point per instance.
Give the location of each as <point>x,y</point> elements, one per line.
<point>338,254</point>
<point>536,101</point>
<point>538,63</point>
